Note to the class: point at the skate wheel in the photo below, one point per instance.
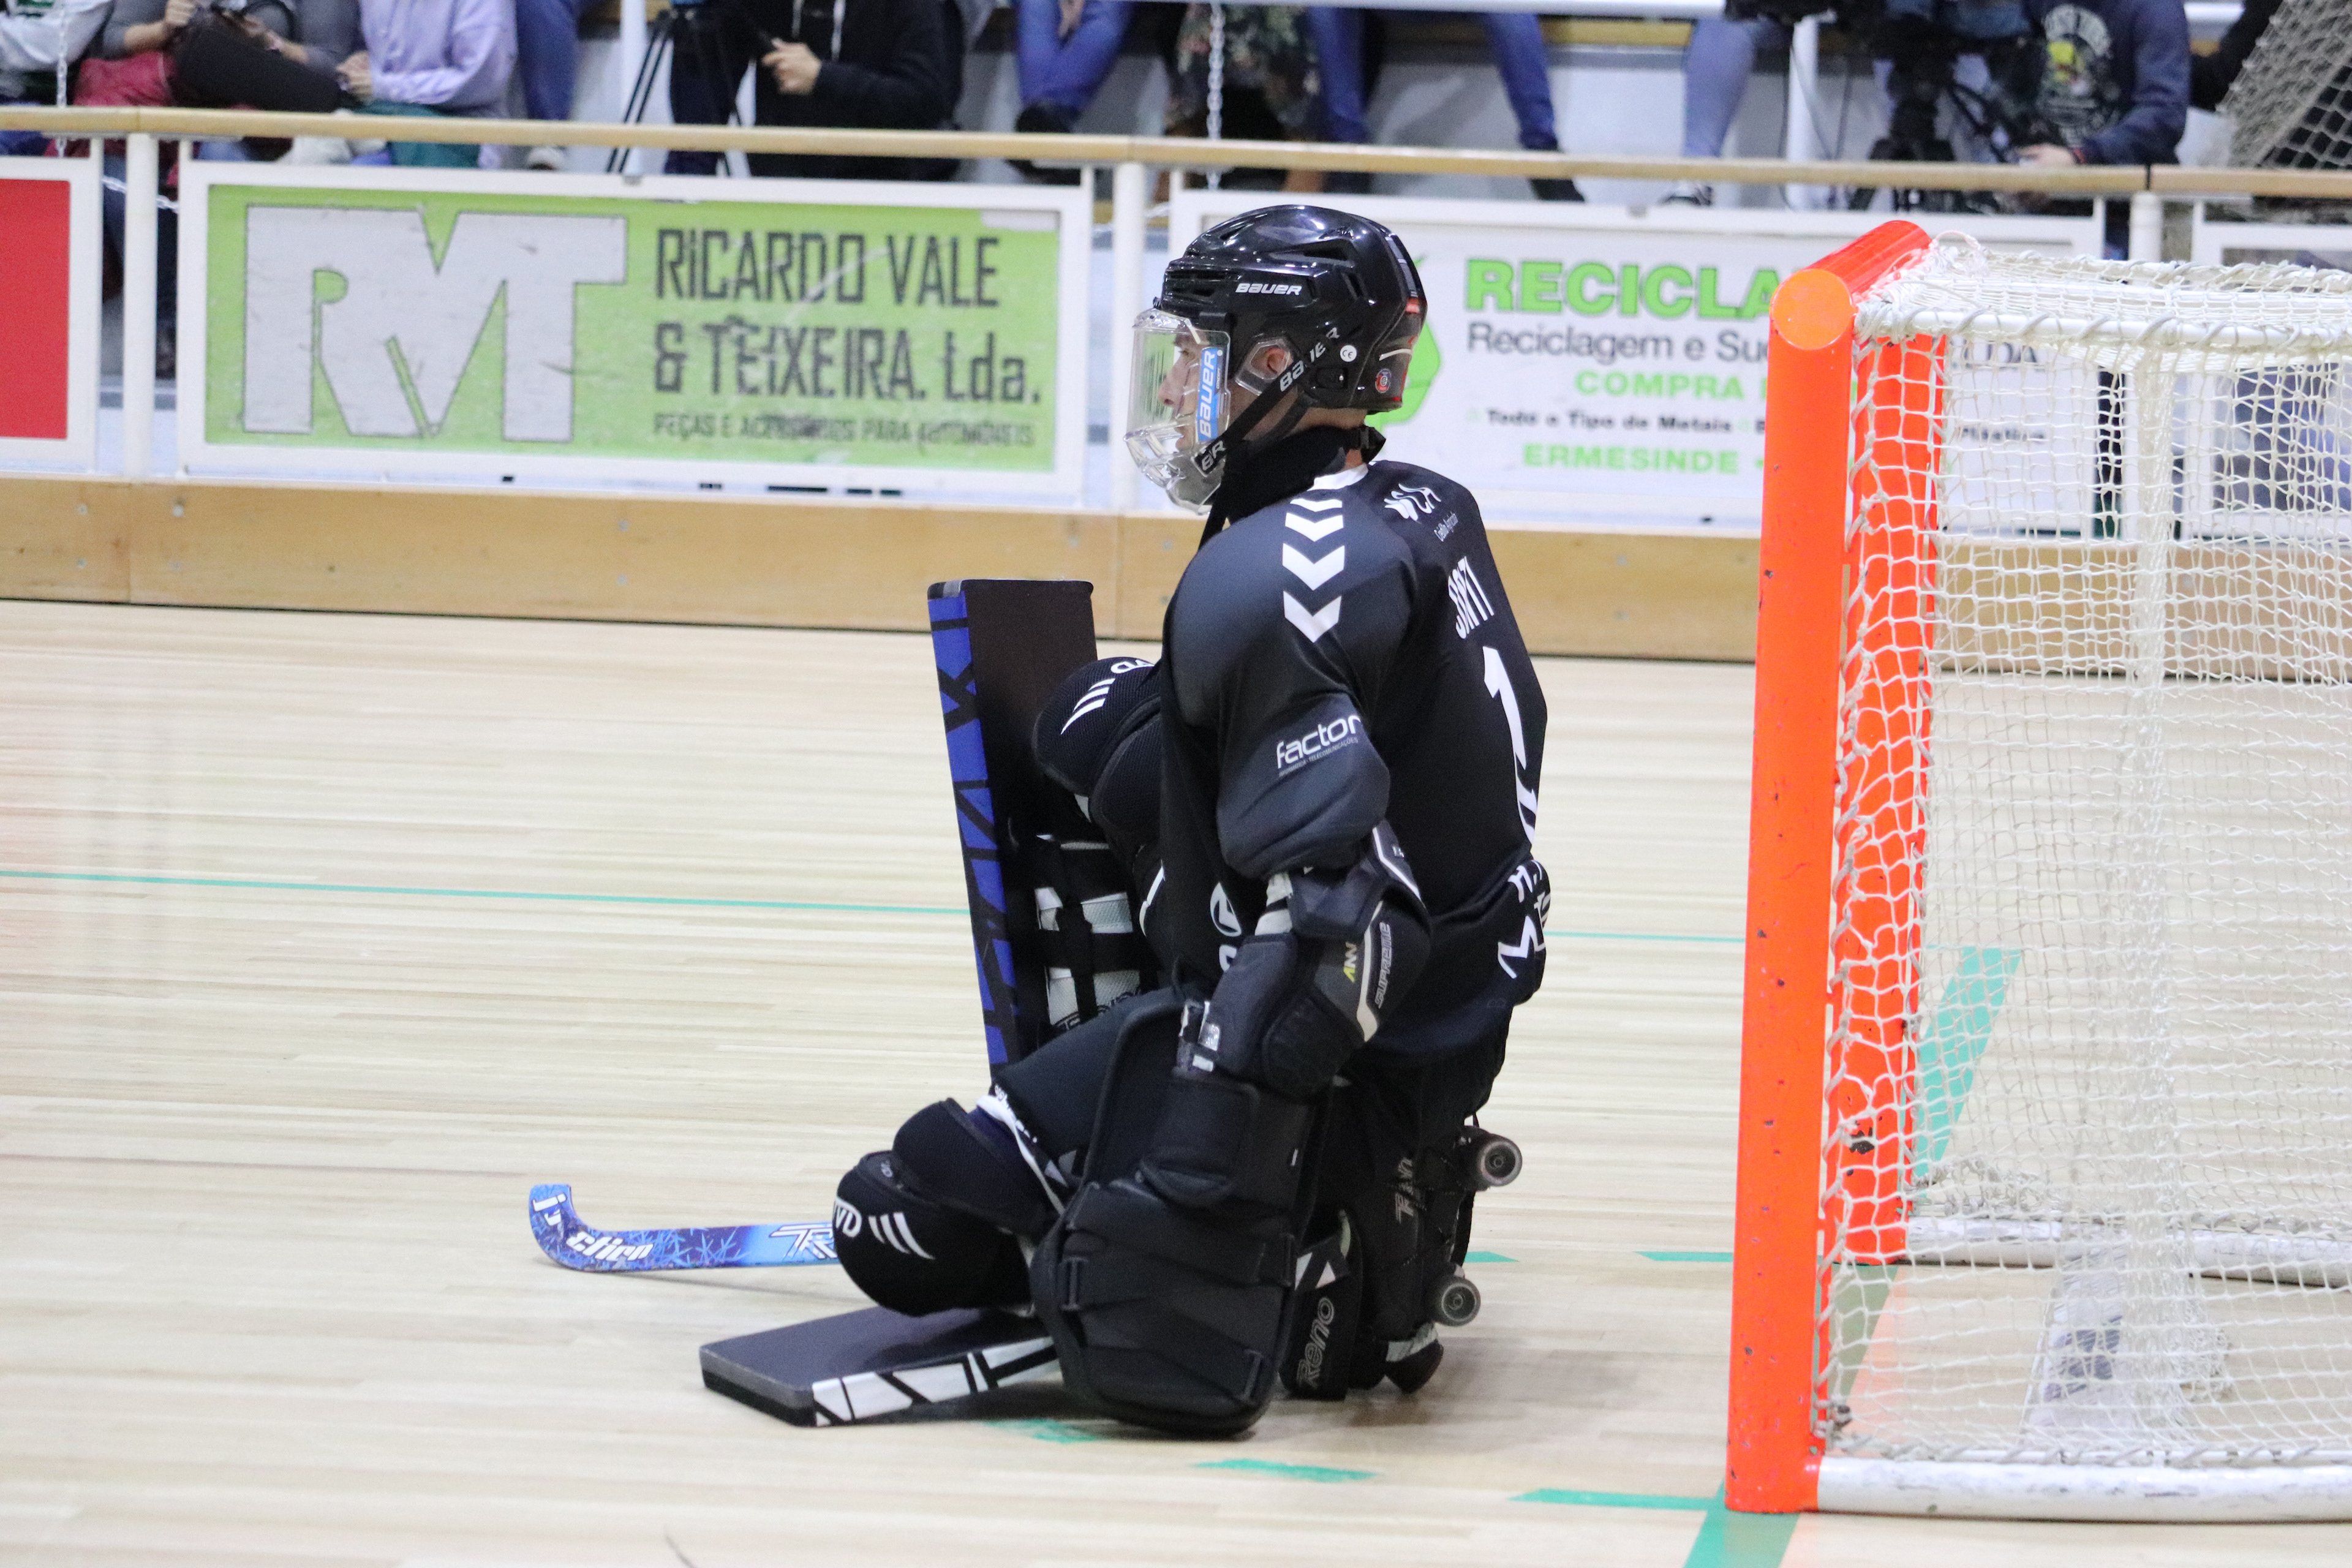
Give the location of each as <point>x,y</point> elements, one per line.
<point>1499,1161</point>
<point>1455,1302</point>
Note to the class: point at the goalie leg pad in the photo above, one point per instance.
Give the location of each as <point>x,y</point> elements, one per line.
<point>1160,1317</point>
<point>1325,1309</point>
<point>1398,1160</point>
<point>1164,1315</point>
<point>913,1254</point>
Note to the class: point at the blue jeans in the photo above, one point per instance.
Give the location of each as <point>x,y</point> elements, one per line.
<point>1715,65</point>
<point>1516,38</point>
<point>112,207</point>
<point>547,55</point>
<point>1067,73</point>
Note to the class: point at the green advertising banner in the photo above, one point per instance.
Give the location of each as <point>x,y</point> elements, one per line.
<point>627,330</point>
<point>1610,362</point>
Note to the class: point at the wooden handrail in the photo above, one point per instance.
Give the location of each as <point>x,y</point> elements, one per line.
<point>1185,153</point>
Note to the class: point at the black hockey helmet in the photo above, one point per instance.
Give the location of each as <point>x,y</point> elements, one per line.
<point>1261,319</point>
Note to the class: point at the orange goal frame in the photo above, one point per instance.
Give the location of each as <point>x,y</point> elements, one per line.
<point>1829,879</point>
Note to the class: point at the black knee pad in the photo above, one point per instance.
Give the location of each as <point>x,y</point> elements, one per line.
<point>914,1254</point>
<point>974,1171</point>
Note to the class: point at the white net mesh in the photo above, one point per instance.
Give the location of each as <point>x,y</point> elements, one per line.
<point>2291,106</point>
<point>2088,1147</point>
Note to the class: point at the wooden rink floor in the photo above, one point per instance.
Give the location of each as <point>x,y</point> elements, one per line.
<point>324,937</point>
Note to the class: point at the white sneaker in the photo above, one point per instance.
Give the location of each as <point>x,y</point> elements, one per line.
<point>1688,193</point>
<point>549,158</point>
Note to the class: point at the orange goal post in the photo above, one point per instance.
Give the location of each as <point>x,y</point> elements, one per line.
<point>2045,1146</point>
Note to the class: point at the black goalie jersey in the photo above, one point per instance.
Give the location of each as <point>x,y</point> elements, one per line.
<point>1341,658</point>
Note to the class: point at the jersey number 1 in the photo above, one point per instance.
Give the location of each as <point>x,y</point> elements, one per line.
<point>1498,686</point>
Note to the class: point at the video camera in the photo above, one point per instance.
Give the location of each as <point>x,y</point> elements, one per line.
<point>1924,42</point>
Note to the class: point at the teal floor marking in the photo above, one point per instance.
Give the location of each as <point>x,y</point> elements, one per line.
<point>1488,1257</point>
<point>1050,1431</point>
<point>1618,1499</point>
<point>255,884</point>
<point>1728,1540</point>
<point>1688,1256</point>
<point>1288,1472</point>
<point>1725,1540</point>
<point>1954,1039</point>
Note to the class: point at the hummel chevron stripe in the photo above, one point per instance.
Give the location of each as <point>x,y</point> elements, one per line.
<point>1315,573</point>
<point>1312,626</point>
<point>1313,529</point>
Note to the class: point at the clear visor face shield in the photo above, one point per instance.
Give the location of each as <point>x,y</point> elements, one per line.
<point>1184,391</point>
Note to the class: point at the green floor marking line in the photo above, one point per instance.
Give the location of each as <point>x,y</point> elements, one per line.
<point>1686,1256</point>
<point>1618,1499</point>
<point>1955,1037</point>
<point>1488,1257</point>
<point>1049,1431</point>
<point>1288,1472</point>
<point>1725,1540</point>
<point>255,884</point>
<point>1728,1540</point>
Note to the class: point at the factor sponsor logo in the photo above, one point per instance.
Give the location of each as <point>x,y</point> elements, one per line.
<point>1321,741</point>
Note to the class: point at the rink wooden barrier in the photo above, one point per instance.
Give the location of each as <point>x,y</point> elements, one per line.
<point>754,560</point>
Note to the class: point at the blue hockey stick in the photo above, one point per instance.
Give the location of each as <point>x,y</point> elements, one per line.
<point>564,1238</point>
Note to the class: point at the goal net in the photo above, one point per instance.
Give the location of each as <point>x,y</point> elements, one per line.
<point>2291,106</point>
<point>2086,1090</point>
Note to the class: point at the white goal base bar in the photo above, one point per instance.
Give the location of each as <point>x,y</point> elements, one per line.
<point>2314,1262</point>
<point>2144,1494</point>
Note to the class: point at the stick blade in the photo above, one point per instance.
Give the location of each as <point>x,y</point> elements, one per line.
<point>553,1219</point>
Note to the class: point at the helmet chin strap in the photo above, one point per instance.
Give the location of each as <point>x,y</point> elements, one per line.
<point>1220,455</point>
<point>1282,469</point>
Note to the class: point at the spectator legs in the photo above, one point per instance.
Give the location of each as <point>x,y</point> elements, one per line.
<point>1517,40</point>
<point>1064,74</point>
<point>708,56</point>
<point>547,56</point>
<point>114,217</point>
<point>1715,77</point>
<point>1338,34</point>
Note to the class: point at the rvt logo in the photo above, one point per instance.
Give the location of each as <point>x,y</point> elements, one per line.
<point>395,338</point>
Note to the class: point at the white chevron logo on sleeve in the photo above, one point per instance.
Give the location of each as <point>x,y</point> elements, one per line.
<point>1311,504</point>
<point>1311,624</point>
<point>1314,573</point>
<point>1313,529</point>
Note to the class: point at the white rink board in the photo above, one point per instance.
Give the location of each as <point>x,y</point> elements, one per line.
<point>366,372</point>
<point>1575,394</point>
